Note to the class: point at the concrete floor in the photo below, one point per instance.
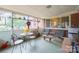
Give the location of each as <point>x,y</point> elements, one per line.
<point>36,46</point>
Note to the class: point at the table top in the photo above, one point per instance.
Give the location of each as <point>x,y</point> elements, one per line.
<point>44,35</point>
<point>23,34</point>
<point>18,41</point>
<point>28,33</point>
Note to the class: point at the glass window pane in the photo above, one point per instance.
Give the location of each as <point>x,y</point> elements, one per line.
<point>47,22</point>
<point>19,21</point>
<point>5,20</point>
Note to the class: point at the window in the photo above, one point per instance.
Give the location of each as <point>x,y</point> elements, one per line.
<point>5,20</point>
<point>2,20</point>
<point>47,22</point>
<point>19,21</point>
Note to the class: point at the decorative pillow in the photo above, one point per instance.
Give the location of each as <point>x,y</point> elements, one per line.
<point>3,44</point>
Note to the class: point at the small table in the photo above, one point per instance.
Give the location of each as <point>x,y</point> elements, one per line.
<point>27,35</point>
<point>47,36</point>
<point>44,36</point>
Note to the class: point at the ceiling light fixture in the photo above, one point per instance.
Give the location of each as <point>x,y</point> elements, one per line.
<point>48,6</point>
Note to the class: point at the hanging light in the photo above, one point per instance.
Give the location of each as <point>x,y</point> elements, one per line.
<point>28,24</point>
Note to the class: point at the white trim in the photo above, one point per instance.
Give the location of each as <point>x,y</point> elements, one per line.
<point>56,28</point>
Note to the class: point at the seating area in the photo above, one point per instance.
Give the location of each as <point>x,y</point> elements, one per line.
<point>38,29</point>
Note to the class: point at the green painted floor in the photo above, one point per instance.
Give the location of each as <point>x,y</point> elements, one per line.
<point>36,46</point>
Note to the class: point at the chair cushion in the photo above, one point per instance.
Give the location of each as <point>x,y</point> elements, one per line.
<point>5,45</point>
<point>1,42</point>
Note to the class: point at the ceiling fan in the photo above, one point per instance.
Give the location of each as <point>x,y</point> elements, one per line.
<point>48,6</point>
